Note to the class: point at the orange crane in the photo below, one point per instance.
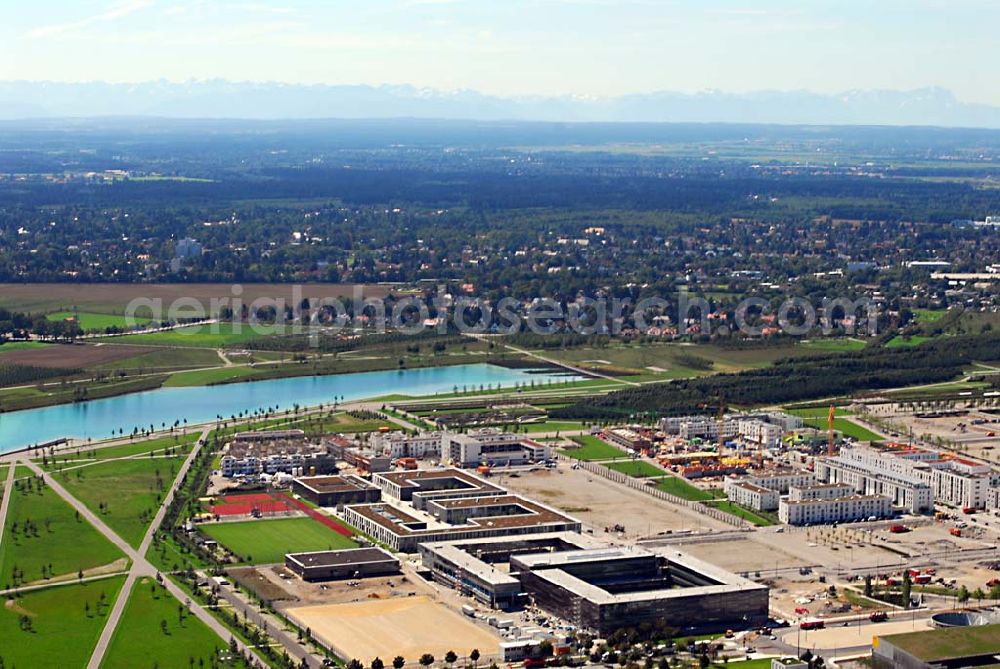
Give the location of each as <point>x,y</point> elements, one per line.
<point>829,426</point>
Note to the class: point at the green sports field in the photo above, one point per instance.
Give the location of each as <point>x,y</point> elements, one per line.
<point>267,541</point>
<point>142,640</point>
<point>66,622</point>
<point>675,486</point>
<point>592,448</point>
<point>636,468</point>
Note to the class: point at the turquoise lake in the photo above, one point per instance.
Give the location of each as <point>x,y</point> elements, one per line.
<point>98,418</point>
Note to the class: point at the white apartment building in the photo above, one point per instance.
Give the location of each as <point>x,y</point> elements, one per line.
<point>763,429</point>
<point>836,510</point>
<point>765,435</point>
<point>751,496</point>
<point>493,448</point>
<point>820,491</point>
<point>782,480</point>
<point>402,445</point>
<point>914,478</point>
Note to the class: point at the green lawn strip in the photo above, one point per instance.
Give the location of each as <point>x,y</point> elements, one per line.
<point>166,359</point>
<point>552,426</point>
<point>124,493</point>
<point>834,344</point>
<point>742,512</point>
<point>817,412</point>
<point>56,539</point>
<point>761,663</point>
<point>592,448</point>
<point>66,622</point>
<point>207,377</point>
<point>9,346</point>
<point>178,444</point>
<point>636,468</point>
<point>679,488</point>
<point>925,316</point>
<point>157,631</point>
<point>89,321</point>
<point>267,541</point>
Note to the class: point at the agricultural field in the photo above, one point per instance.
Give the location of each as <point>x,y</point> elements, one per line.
<point>267,541</point>
<point>69,356</point>
<point>833,344</point>
<point>636,468</point>
<point>156,626</point>
<point>44,539</point>
<point>114,298</point>
<point>592,448</point>
<point>11,346</point>
<point>123,493</point>
<point>164,359</point>
<point>66,622</point>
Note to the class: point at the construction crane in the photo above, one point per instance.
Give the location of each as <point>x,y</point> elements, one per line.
<point>829,427</point>
<point>722,411</point>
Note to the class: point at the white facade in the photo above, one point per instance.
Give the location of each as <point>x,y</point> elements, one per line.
<point>751,496</point>
<point>820,491</point>
<point>782,480</point>
<point>913,478</point>
<point>471,450</point>
<point>840,509</point>
<point>401,445</point>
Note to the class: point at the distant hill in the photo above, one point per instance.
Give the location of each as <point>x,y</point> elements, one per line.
<point>224,99</point>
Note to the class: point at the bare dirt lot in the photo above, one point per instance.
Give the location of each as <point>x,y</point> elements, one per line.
<point>72,356</point>
<point>407,626</point>
<point>744,555</point>
<point>600,503</point>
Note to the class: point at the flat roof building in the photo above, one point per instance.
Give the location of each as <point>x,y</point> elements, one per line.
<point>614,587</point>
<point>350,563</point>
<point>336,490</point>
<point>953,647</point>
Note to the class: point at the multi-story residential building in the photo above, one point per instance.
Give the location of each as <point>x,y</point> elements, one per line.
<point>750,495</point>
<point>835,510</point>
<point>781,479</point>
<point>489,448</point>
<point>914,478</point>
<point>278,455</point>
<point>627,438</point>
<point>403,445</point>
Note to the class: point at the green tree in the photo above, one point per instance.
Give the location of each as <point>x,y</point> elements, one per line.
<point>426,660</point>
<point>398,662</point>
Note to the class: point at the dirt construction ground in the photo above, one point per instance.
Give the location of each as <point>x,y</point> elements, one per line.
<point>600,503</point>
<point>853,635</point>
<point>407,626</point>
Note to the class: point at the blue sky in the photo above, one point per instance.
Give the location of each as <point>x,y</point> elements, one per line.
<point>515,47</point>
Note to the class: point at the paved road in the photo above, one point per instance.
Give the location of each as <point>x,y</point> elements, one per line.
<point>274,627</point>
<point>140,565</point>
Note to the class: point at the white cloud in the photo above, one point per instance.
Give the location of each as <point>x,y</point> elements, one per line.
<point>117,12</point>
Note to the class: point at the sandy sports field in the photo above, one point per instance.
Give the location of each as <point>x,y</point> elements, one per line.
<point>839,637</point>
<point>407,626</point>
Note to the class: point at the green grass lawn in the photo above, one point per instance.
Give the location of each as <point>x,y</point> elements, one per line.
<point>844,427</point>
<point>762,663</point>
<point>65,624</point>
<point>142,640</point>
<point>817,412</point>
<point>56,538</point>
<point>267,541</point>
<point>131,491</point>
<point>592,448</point>
<point>834,344</point>
<point>742,512</point>
<point>214,335</point>
<point>925,316</point>
<point>898,342</point>
<point>165,359</point>
<point>675,486</point>
<point>89,321</point>
<point>179,444</point>
<point>552,426</point>
<point>9,346</point>
<point>206,377</point>
<point>636,468</point>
